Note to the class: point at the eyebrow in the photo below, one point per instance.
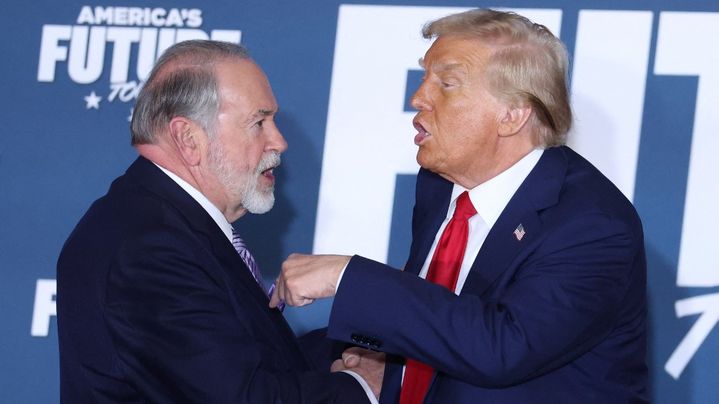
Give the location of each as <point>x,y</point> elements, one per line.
<point>265,112</point>
<point>441,67</point>
<point>262,113</point>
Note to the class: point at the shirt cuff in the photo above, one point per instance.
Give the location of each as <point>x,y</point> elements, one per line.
<point>363,383</point>
<point>341,275</point>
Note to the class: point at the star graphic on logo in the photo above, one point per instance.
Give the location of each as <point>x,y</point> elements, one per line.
<point>92,101</point>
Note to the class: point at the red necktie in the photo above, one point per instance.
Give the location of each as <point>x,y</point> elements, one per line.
<point>443,270</point>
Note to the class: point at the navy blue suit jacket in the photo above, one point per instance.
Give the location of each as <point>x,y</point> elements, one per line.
<point>556,317</point>
<point>155,305</point>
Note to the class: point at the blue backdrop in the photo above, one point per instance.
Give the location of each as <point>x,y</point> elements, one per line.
<point>645,86</point>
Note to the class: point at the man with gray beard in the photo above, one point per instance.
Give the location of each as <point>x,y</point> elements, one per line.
<point>159,299</point>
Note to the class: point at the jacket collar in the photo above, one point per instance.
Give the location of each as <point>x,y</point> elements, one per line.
<point>149,176</point>
<point>538,191</point>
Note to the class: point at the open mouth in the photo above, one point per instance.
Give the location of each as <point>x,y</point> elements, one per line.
<point>422,133</point>
<point>268,165</point>
<point>268,173</point>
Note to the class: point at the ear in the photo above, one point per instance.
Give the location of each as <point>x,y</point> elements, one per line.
<point>188,139</point>
<point>513,120</point>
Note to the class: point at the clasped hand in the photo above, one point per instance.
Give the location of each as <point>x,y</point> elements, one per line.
<point>368,364</point>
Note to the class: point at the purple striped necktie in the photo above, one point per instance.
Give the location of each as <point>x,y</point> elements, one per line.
<point>249,260</point>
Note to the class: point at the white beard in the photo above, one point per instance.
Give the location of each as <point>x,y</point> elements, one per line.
<point>255,200</point>
<point>244,186</point>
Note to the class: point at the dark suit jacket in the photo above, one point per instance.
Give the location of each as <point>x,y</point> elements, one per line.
<point>556,317</point>
<point>155,305</point>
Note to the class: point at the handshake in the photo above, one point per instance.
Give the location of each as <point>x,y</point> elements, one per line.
<point>369,365</point>
<point>305,278</point>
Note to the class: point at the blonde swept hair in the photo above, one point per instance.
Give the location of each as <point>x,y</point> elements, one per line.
<point>528,65</point>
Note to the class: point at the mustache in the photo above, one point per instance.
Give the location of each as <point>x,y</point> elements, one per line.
<point>269,160</point>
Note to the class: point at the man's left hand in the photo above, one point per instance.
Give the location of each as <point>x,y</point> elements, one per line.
<point>305,278</point>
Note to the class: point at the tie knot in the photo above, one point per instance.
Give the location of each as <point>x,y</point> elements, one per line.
<point>464,209</point>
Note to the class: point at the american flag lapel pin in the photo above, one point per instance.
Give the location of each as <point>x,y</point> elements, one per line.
<point>519,232</point>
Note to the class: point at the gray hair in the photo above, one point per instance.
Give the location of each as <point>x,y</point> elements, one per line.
<point>182,83</point>
<point>528,66</point>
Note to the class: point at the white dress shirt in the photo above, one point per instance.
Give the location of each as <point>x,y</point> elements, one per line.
<point>489,199</point>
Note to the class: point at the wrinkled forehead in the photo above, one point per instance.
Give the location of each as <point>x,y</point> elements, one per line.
<point>456,52</point>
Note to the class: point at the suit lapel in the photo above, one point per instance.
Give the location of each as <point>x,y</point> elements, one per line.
<point>539,190</point>
<point>239,276</point>
<point>502,245</point>
<point>248,298</point>
<point>431,204</point>
<point>233,268</point>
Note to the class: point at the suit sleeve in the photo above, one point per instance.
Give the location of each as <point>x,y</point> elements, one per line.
<point>179,339</point>
<point>560,302</point>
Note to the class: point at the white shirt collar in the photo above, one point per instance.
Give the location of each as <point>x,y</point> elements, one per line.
<point>209,207</point>
<point>491,197</point>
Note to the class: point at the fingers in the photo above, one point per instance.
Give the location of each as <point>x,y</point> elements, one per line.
<point>301,301</point>
<point>305,278</point>
<point>351,359</point>
<point>366,363</point>
<point>282,295</point>
<point>337,366</point>
<point>275,299</point>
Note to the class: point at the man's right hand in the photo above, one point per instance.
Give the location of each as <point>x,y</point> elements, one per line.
<point>305,278</point>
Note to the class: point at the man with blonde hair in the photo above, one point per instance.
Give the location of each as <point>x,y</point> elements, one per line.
<point>526,276</point>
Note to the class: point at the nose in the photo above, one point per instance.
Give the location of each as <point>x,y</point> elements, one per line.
<point>277,142</point>
<point>420,100</point>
